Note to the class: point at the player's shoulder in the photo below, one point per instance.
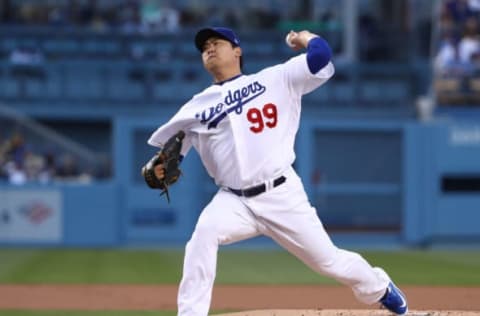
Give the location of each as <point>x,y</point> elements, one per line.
<point>199,98</point>
<point>297,59</point>
<point>201,93</point>
<point>266,72</point>
<point>269,69</point>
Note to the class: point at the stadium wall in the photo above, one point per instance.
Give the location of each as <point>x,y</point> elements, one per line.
<point>404,183</point>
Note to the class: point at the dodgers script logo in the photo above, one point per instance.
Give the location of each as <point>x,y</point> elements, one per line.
<point>234,101</point>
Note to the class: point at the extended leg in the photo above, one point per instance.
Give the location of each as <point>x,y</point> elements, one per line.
<point>225,220</point>
<point>294,224</point>
<point>308,241</point>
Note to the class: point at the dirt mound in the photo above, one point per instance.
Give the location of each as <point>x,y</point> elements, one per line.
<point>286,300</point>
<point>339,312</point>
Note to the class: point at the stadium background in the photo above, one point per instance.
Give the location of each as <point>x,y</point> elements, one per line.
<point>389,149</point>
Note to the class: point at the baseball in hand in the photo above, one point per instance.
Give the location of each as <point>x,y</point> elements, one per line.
<point>288,39</point>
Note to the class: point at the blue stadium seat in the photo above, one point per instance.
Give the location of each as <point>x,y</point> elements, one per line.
<point>83,80</point>
<point>101,48</point>
<point>61,47</point>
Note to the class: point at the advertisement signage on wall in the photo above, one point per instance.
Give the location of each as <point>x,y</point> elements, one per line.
<point>30,216</point>
<point>465,135</point>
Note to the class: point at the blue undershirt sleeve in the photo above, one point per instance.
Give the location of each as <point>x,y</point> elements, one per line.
<point>319,54</point>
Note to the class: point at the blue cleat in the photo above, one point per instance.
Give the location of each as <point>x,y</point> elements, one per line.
<point>394,300</point>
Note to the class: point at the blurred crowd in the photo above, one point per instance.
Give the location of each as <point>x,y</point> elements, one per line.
<point>21,164</point>
<point>457,61</point>
<point>142,16</point>
<point>127,15</point>
<point>459,46</point>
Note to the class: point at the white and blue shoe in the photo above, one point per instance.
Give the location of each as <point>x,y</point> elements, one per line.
<point>394,300</point>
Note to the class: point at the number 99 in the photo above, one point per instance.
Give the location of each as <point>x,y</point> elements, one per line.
<point>256,117</point>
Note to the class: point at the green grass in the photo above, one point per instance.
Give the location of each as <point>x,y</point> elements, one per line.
<point>430,268</point>
<point>26,266</point>
<point>91,266</point>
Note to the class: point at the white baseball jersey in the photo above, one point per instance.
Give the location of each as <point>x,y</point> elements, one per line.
<point>244,129</point>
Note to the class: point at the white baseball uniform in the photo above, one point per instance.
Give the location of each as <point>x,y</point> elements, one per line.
<point>244,131</point>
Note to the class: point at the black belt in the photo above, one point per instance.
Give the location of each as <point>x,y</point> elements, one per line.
<point>258,189</point>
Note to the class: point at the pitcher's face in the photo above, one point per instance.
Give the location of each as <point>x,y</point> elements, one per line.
<point>218,53</point>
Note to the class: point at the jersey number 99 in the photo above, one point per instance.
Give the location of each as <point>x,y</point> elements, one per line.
<point>266,117</point>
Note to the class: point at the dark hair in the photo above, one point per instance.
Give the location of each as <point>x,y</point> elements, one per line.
<point>241,57</point>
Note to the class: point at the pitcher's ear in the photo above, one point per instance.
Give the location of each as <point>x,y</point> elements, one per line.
<point>238,51</point>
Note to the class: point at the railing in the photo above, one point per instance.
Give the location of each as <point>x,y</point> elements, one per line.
<point>92,69</point>
<point>123,82</point>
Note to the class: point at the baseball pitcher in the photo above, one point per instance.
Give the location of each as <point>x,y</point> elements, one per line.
<point>243,127</point>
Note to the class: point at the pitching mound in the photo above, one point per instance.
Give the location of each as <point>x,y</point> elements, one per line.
<point>287,300</point>
<point>338,312</point>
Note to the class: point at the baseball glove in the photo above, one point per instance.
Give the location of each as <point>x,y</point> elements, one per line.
<point>169,157</point>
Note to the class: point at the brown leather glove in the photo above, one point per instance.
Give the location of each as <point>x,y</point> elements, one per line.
<point>169,157</point>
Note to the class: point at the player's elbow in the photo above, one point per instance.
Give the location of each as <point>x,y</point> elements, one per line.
<point>153,143</point>
<point>319,54</point>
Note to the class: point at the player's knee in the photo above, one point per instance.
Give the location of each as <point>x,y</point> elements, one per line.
<point>327,262</point>
<point>341,263</point>
<point>206,232</point>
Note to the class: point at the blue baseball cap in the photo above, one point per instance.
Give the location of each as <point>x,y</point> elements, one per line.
<point>222,32</point>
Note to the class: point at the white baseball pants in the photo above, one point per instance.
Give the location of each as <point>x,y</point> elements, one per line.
<point>284,214</point>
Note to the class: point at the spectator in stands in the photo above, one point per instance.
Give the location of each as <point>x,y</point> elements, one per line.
<point>15,173</point>
<point>458,56</point>
<point>446,60</point>
<point>169,18</point>
<point>21,163</point>
<point>474,5</point>
<point>26,56</point>
<point>158,17</point>
<point>16,149</point>
<point>469,45</point>
<point>460,43</point>
<point>447,23</point>
<point>49,168</point>
<point>4,144</point>
<point>129,18</point>
<point>13,159</point>
<point>150,13</point>
<point>69,168</point>
<point>460,10</point>
<point>33,166</point>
